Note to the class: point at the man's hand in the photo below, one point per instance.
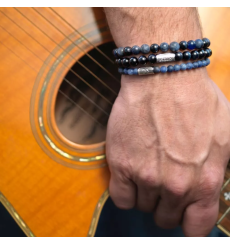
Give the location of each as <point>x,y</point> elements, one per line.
<point>168,137</point>
<point>167,147</point>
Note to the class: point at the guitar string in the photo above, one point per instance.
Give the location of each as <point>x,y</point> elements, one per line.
<point>85,53</point>
<point>93,74</point>
<point>82,36</point>
<point>83,94</point>
<point>60,91</point>
<point>66,66</point>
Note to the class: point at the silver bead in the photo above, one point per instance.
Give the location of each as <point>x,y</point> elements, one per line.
<point>165,57</point>
<point>145,70</point>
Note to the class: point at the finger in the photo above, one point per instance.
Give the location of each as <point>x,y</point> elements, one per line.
<point>199,220</point>
<point>168,216</point>
<point>122,191</point>
<point>147,198</point>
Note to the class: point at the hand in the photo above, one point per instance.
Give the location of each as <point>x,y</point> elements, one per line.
<point>167,146</point>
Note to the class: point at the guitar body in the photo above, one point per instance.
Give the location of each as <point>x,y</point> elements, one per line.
<point>54,179</point>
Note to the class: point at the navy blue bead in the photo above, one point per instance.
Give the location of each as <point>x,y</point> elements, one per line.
<point>170,68</point>
<point>115,53</point>
<point>154,48</point>
<point>176,67</point>
<point>163,69</point>
<point>174,46</point>
<point>189,66</point>
<point>120,52</point>
<point>186,55</point>
<point>191,45</point>
<point>142,60</point>
<point>195,55</point>
<point>195,64</point>
<point>164,47</point>
<point>125,62</point>
<point>205,53</point>
<point>119,63</point>
<point>120,70</point>
<point>156,69</point>
<point>135,71</point>
<point>145,49</point>
<point>201,54</point>
<point>127,51</point>
<point>207,62</point>
<point>136,49</point>
<point>178,56</point>
<point>210,52</point>
<point>130,71</point>
<point>183,45</point>
<point>152,58</point>
<point>183,67</point>
<point>199,43</point>
<point>199,63</point>
<point>125,71</point>
<point>133,61</point>
<point>206,42</point>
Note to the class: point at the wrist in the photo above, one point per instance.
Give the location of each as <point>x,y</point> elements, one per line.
<point>165,87</point>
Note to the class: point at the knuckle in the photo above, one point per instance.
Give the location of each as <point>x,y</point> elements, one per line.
<point>148,178</point>
<point>120,201</point>
<point>119,165</point>
<point>210,189</point>
<point>176,189</point>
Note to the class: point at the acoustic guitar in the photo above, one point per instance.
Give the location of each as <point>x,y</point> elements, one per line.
<point>58,83</point>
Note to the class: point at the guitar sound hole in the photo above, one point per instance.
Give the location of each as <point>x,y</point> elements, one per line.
<point>81,112</point>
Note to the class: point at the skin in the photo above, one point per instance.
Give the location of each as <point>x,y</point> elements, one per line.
<point>168,135</point>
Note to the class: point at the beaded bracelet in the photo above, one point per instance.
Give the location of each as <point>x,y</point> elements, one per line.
<point>160,58</point>
<point>163,69</point>
<point>164,47</point>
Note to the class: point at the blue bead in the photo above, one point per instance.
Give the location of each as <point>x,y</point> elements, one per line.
<point>203,63</point>
<point>115,53</point>
<point>135,71</point>
<point>187,55</point>
<point>156,69</point>
<point>191,45</point>
<point>189,66</point>
<point>183,45</point>
<point>174,46</point>
<point>164,47</point>
<point>125,71</point>
<point>199,43</point>
<point>120,52</point>
<point>136,49</point>
<point>176,67</point>
<point>199,63</point>
<point>183,67</point>
<point>195,64</point>
<point>163,69</point>
<point>120,70</point>
<point>145,49</point>
<point>170,68</point>
<point>206,42</point>
<point>207,62</point>
<point>130,71</point>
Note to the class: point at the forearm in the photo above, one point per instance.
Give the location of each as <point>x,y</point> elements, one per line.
<point>136,26</point>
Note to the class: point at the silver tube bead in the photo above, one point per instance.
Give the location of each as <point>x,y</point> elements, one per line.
<point>165,57</point>
<point>145,70</point>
